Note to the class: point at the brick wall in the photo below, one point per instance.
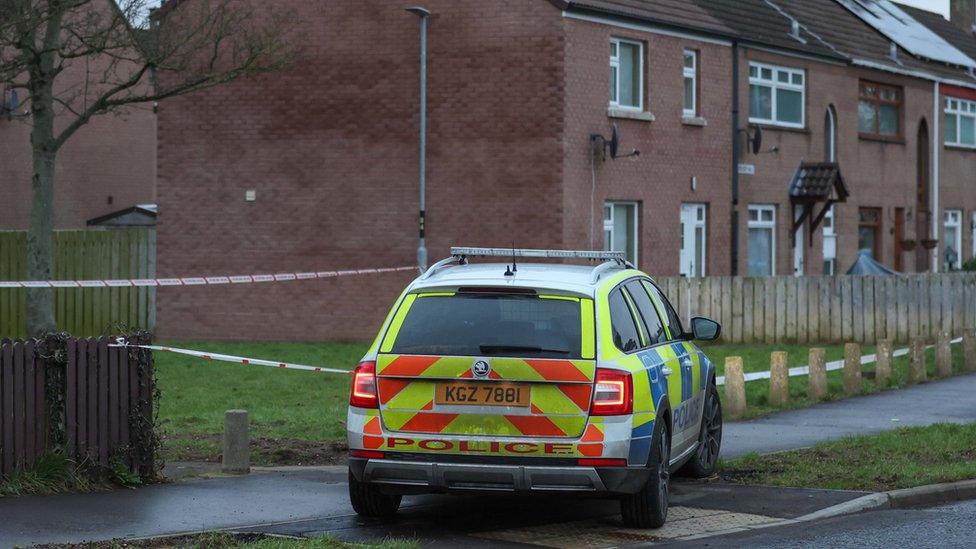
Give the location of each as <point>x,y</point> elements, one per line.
<point>112,156</point>
<point>330,146</point>
<point>672,152</point>
<point>878,174</point>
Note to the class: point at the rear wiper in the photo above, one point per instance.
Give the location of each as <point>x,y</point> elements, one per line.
<point>491,349</point>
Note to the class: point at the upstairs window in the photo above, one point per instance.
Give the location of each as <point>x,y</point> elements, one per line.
<point>879,110</point>
<point>960,122</point>
<point>690,108</point>
<point>626,74</point>
<point>776,95</point>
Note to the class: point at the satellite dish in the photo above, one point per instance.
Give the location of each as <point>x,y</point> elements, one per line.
<point>756,140</point>
<point>614,142</point>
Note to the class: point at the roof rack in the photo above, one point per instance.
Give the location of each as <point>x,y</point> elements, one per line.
<point>460,255</point>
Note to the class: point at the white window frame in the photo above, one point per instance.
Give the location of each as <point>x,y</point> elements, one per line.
<point>615,85</point>
<point>960,108</point>
<point>759,223</point>
<point>952,219</point>
<point>830,232</point>
<point>690,73</point>
<point>608,225</point>
<point>700,222</point>
<point>774,85</point>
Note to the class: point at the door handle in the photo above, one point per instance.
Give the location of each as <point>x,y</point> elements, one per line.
<point>666,371</point>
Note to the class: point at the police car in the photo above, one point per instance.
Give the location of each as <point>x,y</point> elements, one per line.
<point>537,377</point>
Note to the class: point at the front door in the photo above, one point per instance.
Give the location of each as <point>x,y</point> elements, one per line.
<point>798,243</point>
<point>692,240</point>
<point>899,237</point>
<point>923,213</point>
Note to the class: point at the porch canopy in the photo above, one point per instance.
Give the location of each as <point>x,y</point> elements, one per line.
<point>813,184</point>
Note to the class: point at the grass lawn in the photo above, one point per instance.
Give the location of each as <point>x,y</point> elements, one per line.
<point>902,458</point>
<point>299,417</point>
<point>296,416</point>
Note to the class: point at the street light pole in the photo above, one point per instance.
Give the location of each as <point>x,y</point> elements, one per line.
<point>422,244</point>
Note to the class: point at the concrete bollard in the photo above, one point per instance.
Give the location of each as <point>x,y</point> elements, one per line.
<point>817,388</point>
<point>852,369</point>
<point>969,351</point>
<point>943,356</point>
<point>735,387</point>
<point>916,362</point>
<point>236,458</point>
<point>779,378</point>
<point>882,368</point>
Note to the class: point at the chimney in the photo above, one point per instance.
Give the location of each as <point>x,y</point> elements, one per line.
<point>963,14</point>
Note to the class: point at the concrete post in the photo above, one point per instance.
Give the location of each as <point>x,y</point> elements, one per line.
<point>916,362</point>
<point>779,378</point>
<point>735,387</point>
<point>236,457</point>
<point>817,388</point>
<point>852,369</point>
<point>882,368</point>
<point>943,355</point>
<point>969,351</point>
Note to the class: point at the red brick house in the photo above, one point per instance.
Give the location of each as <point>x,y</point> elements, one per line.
<point>316,167</point>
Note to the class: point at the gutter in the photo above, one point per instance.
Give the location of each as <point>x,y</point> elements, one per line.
<point>912,73</point>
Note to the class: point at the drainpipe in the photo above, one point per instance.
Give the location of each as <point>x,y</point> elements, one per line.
<point>422,244</point>
<point>734,224</point>
<point>936,143</point>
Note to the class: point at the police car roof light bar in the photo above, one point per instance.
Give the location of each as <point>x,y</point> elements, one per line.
<point>551,254</point>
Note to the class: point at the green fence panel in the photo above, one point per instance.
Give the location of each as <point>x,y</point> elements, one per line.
<point>84,255</point>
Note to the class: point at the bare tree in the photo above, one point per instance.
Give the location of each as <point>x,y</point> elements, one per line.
<point>77,59</point>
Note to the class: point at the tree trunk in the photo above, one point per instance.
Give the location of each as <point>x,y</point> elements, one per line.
<point>40,235</point>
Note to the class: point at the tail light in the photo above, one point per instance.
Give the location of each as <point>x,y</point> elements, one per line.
<point>614,394</point>
<point>363,394</point>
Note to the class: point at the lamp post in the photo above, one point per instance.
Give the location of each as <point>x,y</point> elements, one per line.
<point>424,14</point>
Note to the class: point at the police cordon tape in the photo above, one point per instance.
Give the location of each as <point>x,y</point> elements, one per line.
<point>121,342</point>
<point>831,366</point>
<point>196,281</point>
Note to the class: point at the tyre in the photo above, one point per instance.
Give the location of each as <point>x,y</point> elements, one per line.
<point>649,507</point>
<point>368,501</point>
<point>702,464</point>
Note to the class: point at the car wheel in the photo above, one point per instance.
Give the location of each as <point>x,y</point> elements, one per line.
<point>368,501</point>
<point>709,438</point>
<point>648,508</point>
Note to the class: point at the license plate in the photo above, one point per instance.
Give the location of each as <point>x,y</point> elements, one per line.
<point>482,394</point>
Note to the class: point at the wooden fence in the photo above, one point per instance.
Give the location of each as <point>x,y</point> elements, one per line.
<point>827,309</point>
<point>96,405</point>
<point>84,255</point>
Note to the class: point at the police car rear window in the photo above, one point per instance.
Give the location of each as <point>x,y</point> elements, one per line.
<point>491,325</point>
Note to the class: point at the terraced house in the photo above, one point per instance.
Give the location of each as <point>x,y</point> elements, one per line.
<point>702,137</point>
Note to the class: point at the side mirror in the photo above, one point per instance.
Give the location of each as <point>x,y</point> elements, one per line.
<point>705,329</point>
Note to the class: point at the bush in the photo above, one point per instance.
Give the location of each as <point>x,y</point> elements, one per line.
<point>969,265</point>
